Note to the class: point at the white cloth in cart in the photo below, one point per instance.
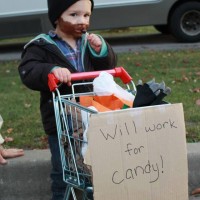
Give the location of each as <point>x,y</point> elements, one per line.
<point>85,120</point>
<point>104,85</point>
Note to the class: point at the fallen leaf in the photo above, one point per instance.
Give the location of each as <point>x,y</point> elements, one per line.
<point>26,105</point>
<point>198,73</point>
<point>196,90</point>
<point>10,130</point>
<point>137,64</point>
<point>136,53</point>
<point>185,61</point>
<point>44,140</point>
<point>198,102</point>
<point>185,78</point>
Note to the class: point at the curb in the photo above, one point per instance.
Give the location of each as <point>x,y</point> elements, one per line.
<point>27,177</point>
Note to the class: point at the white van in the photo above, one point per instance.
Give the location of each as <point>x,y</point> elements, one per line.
<point>181,18</point>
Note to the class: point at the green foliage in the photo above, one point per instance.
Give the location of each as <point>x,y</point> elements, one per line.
<point>180,70</point>
<point>19,108</point>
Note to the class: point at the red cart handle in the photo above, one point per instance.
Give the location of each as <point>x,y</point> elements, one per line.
<point>119,72</point>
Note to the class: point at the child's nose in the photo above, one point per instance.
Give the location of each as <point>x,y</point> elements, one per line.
<point>82,20</point>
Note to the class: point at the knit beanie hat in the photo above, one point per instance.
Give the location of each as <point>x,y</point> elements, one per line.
<point>57,7</point>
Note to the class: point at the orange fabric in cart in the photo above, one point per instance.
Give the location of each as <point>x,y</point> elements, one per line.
<point>104,103</point>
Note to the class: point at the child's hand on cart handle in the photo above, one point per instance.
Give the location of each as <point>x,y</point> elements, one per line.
<point>54,80</point>
<point>63,75</point>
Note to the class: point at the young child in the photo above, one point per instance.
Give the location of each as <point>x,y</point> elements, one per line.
<point>67,49</point>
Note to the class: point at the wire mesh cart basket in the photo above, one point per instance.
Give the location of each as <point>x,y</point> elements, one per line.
<point>72,123</point>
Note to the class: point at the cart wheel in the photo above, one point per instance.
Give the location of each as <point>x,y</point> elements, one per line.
<point>89,193</point>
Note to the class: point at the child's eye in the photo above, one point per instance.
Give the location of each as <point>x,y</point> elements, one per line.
<point>73,14</point>
<point>87,16</point>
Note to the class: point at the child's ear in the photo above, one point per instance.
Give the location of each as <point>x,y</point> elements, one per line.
<point>56,22</point>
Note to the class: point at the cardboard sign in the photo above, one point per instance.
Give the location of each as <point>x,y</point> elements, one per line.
<point>139,154</point>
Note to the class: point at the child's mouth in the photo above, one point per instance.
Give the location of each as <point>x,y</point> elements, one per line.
<point>83,31</point>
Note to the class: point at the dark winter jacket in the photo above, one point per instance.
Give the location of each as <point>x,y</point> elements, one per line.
<point>41,55</point>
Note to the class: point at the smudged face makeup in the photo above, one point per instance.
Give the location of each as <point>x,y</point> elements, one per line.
<point>75,30</point>
<point>76,19</point>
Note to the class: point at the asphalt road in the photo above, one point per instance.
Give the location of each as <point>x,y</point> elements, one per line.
<point>137,43</point>
<point>157,42</point>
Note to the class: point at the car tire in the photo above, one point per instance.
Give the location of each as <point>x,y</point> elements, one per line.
<point>184,22</point>
<point>164,29</point>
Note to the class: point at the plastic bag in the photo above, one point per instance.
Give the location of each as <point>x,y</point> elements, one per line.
<point>104,85</point>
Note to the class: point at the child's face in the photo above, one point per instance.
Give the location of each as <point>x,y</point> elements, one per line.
<point>75,19</point>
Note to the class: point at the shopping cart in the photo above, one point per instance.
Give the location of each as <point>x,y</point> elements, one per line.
<point>72,122</point>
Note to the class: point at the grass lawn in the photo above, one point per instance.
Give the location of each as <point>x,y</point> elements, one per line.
<point>180,70</point>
